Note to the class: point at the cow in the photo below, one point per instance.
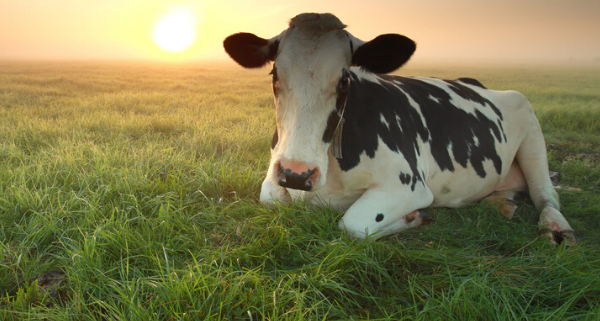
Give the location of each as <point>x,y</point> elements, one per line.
<point>382,148</point>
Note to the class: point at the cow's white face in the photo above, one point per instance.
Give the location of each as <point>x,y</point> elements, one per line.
<point>306,74</point>
<point>310,82</point>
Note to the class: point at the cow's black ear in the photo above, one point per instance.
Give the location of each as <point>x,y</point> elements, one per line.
<point>384,54</point>
<point>249,50</point>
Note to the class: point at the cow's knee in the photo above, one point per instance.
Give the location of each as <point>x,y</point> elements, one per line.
<point>354,230</point>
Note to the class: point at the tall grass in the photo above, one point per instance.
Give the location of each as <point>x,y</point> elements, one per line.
<point>128,191</point>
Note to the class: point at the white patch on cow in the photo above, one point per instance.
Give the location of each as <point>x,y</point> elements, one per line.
<point>398,122</point>
<point>434,99</point>
<point>461,187</point>
<point>365,76</point>
<point>383,121</point>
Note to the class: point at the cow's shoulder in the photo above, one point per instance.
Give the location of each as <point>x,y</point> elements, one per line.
<point>378,113</point>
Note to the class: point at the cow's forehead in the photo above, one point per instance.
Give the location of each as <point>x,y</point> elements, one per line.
<point>301,51</point>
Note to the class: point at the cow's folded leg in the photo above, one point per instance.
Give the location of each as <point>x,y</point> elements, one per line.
<point>271,193</point>
<point>379,212</point>
<point>504,202</point>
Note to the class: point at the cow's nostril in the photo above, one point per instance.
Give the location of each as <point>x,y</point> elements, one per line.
<point>281,178</point>
<point>302,181</point>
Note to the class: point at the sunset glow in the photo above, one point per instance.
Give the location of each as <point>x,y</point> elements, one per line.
<point>189,30</point>
<point>175,31</point>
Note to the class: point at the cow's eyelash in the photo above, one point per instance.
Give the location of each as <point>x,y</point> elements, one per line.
<point>274,73</point>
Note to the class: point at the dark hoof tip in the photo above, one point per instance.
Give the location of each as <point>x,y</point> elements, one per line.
<point>425,218</point>
<point>558,237</point>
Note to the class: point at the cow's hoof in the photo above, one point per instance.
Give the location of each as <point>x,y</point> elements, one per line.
<point>425,218</point>
<point>417,218</point>
<point>507,208</point>
<point>557,237</point>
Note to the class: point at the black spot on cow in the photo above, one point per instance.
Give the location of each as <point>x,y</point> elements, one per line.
<point>452,133</point>
<point>379,217</point>
<point>415,179</point>
<point>406,179</point>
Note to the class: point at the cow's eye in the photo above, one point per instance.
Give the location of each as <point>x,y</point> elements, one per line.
<point>344,83</point>
<point>274,74</point>
<point>275,81</point>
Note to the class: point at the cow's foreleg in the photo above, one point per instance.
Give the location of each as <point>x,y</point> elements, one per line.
<point>382,211</point>
<point>271,193</point>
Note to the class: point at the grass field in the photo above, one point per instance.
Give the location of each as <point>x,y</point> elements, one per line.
<point>129,191</point>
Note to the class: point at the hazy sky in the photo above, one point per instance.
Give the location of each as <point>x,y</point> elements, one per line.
<point>485,30</point>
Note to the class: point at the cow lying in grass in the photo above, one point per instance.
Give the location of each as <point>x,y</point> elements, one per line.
<point>383,147</point>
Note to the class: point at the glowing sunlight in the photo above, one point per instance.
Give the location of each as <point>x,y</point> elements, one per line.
<point>175,30</point>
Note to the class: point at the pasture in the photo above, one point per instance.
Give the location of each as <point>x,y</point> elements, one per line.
<point>129,191</point>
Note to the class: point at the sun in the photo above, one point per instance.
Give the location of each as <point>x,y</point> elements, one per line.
<point>175,30</point>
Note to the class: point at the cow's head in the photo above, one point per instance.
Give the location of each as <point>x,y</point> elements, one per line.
<point>311,80</point>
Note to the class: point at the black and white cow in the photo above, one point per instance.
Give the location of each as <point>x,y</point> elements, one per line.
<point>383,147</point>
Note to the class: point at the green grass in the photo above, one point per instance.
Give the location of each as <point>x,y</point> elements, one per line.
<point>128,191</point>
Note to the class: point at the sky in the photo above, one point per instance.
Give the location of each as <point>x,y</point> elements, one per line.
<point>484,30</point>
